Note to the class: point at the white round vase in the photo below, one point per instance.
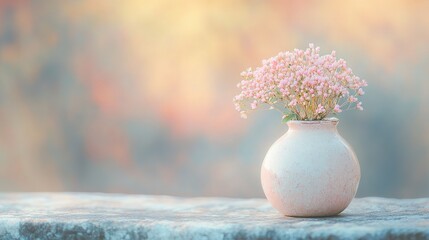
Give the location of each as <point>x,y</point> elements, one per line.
<point>310,171</point>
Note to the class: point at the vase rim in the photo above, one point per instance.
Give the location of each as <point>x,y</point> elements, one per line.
<point>330,121</point>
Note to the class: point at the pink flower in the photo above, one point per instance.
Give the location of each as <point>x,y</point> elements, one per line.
<point>254,104</point>
<point>320,109</point>
<point>352,99</point>
<point>359,106</point>
<point>301,81</point>
<point>337,108</point>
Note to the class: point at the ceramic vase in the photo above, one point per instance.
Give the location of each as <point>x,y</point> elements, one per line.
<point>311,171</point>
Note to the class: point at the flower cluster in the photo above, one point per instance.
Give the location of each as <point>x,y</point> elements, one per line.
<point>301,85</point>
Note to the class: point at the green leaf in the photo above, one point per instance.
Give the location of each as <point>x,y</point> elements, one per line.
<point>287,118</point>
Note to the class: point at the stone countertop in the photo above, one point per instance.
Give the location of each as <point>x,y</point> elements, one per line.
<point>117,216</point>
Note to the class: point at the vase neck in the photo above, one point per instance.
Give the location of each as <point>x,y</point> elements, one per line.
<point>322,125</point>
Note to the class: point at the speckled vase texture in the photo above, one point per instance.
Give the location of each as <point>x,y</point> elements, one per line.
<point>311,171</point>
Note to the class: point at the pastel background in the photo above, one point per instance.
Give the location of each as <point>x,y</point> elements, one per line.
<point>136,96</point>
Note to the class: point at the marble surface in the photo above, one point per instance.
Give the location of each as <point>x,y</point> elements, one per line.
<point>114,216</point>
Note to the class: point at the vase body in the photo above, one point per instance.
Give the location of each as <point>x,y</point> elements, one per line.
<point>311,171</point>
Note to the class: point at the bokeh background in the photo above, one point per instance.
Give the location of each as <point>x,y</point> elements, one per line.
<point>136,96</point>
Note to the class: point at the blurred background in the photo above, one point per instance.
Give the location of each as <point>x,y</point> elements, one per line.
<point>136,96</point>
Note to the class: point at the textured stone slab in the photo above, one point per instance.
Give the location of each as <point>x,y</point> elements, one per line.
<point>112,216</point>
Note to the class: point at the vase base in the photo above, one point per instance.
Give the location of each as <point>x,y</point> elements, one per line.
<point>314,216</point>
